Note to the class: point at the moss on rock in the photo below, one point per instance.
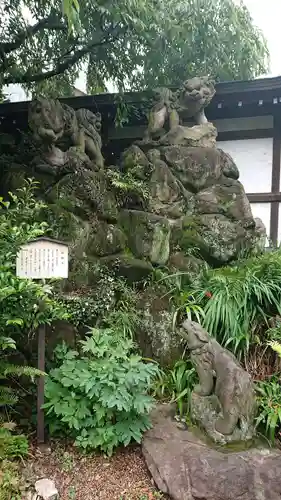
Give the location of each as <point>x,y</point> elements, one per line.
<point>148,235</point>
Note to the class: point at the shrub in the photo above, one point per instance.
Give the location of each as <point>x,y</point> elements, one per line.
<point>20,299</point>
<point>269,400</point>
<point>110,303</point>
<point>12,446</point>
<point>12,485</point>
<point>234,302</point>
<point>181,297</point>
<point>242,298</point>
<point>100,394</point>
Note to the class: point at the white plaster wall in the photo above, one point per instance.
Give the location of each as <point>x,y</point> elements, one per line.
<point>253,158</point>
<point>262,210</point>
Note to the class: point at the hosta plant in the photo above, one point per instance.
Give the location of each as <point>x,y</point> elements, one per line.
<point>101,393</point>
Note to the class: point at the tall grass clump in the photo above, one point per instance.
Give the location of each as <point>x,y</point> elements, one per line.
<point>241,299</point>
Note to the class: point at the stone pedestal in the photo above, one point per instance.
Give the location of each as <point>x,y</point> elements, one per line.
<point>184,466</point>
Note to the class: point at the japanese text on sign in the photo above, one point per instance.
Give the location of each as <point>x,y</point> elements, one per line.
<point>43,259</point>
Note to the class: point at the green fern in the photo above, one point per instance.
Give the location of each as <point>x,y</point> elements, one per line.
<point>8,397</point>
<point>7,369</point>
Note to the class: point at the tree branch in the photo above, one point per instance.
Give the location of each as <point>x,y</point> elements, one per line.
<point>102,39</point>
<point>51,23</point>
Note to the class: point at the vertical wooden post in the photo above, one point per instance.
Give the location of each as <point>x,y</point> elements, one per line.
<point>40,387</point>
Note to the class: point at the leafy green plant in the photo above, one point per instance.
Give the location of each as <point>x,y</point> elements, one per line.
<point>128,187</point>
<point>12,445</point>
<point>276,346</point>
<point>125,321</point>
<point>269,406</point>
<point>238,300</point>
<point>100,394</point>
<point>182,298</point>
<point>176,385</point>
<point>111,303</point>
<point>12,485</point>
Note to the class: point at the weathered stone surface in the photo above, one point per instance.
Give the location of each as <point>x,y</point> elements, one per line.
<point>127,266</point>
<point>198,136</point>
<point>260,234</point>
<point>167,195</point>
<point>156,337</point>
<point>92,190</point>
<point>155,334</point>
<point>188,101</point>
<point>193,97</point>
<point>197,168</point>
<point>184,466</point>
<point>229,200</point>
<point>218,238</point>
<point>46,489</point>
<point>181,192</point>
<point>105,239</point>
<point>148,235</point>
<point>229,168</point>
<point>223,402</point>
<point>53,122</point>
<point>188,263</point>
<point>134,160</point>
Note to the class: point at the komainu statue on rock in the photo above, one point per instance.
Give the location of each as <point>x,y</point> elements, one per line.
<point>170,108</point>
<point>54,123</point>
<point>193,97</point>
<point>224,401</point>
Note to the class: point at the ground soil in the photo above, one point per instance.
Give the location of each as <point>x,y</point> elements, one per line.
<point>121,477</point>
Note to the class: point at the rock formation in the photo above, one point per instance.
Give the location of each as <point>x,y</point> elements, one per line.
<point>192,184</point>
<point>186,468</point>
<point>174,201</point>
<point>193,196</point>
<point>223,403</point>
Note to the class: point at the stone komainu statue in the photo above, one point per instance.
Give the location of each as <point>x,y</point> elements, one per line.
<point>189,101</point>
<point>52,121</point>
<point>220,373</point>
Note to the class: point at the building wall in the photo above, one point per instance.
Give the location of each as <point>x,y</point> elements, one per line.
<point>253,158</point>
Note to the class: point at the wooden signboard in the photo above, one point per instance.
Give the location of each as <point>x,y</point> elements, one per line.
<point>41,259</point>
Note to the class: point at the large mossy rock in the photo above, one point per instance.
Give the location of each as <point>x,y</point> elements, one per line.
<point>148,235</point>
<point>180,193</point>
<point>197,190</point>
<point>155,334</point>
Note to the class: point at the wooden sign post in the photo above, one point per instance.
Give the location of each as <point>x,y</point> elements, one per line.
<point>41,259</point>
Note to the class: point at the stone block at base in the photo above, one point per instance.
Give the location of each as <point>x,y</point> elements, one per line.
<point>186,468</point>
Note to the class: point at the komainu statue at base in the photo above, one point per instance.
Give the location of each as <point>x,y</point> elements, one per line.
<point>223,402</point>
